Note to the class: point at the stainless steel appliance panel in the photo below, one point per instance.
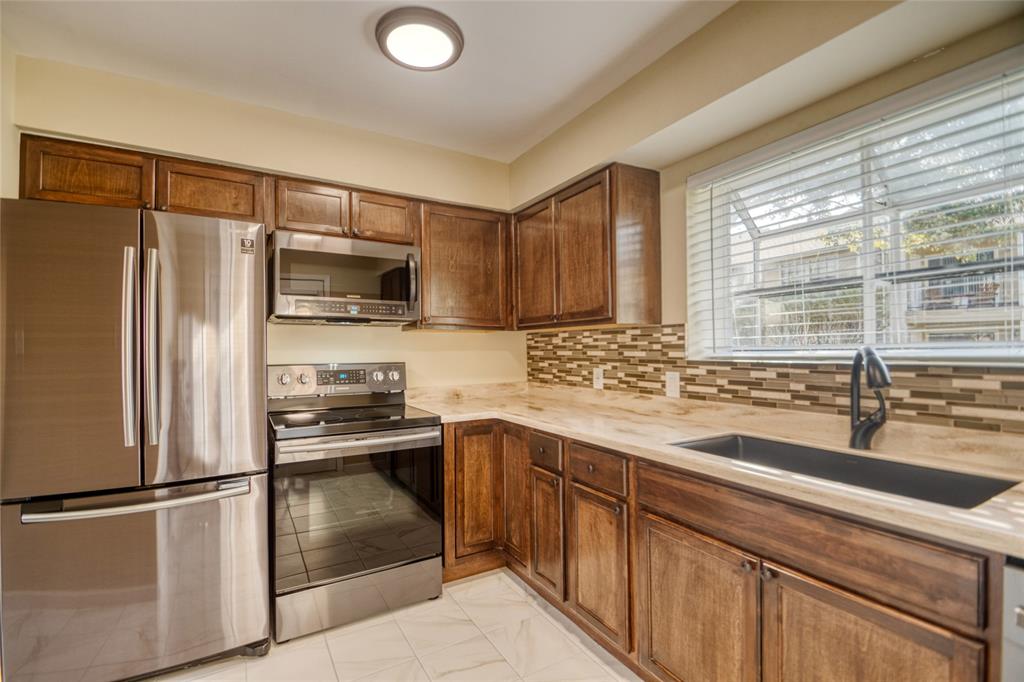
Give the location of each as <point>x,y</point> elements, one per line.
<point>204,302</point>
<point>103,588</point>
<point>69,317</point>
<point>1013,621</point>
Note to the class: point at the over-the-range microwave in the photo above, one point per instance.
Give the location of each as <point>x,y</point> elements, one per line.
<point>323,279</point>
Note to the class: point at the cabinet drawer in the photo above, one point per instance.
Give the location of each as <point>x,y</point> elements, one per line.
<point>597,468</point>
<point>546,451</point>
<point>940,583</point>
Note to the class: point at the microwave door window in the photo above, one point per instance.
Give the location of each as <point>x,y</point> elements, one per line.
<point>332,275</point>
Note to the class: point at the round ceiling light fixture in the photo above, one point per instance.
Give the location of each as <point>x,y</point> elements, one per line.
<point>419,38</point>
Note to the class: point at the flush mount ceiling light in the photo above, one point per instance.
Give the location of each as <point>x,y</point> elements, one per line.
<point>419,38</point>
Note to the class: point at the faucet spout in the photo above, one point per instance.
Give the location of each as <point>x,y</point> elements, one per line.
<point>878,377</point>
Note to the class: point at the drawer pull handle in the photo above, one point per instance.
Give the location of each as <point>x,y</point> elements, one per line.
<point>746,566</point>
<point>590,468</point>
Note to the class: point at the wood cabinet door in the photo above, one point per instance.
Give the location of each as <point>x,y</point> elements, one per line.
<point>533,236</point>
<point>698,606</point>
<point>464,274</point>
<point>515,468</point>
<point>56,170</point>
<point>547,551</point>
<point>814,631</point>
<point>584,251</point>
<point>312,207</point>
<point>202,189</point>
<point>384,218</point>
<point>477,488</point>
<point>598,551</point>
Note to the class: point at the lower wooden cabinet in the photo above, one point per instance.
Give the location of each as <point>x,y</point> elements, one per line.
<point>698,611</point>
<point>598,553</point>
<point>477,488</point>
<point>547,555</point>
<point>813,631</point>
<point>515,467</point>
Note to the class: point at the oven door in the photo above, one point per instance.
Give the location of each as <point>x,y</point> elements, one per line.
<point>347,506</point>
<point>323,278</point>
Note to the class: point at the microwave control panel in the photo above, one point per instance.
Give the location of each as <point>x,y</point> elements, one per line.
<point>317,307</point>
<point>292,381</point>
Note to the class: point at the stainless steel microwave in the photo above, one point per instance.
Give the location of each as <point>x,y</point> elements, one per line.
<point>322,279</point>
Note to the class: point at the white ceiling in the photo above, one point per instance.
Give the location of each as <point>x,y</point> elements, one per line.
<point>527,68</point>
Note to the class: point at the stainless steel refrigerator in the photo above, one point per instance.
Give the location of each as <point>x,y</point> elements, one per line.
<point>133,525</point>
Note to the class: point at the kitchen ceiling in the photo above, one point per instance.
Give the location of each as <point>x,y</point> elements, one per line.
<point>527,67</point>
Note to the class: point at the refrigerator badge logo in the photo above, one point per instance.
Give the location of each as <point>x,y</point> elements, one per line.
<point>249,246</point>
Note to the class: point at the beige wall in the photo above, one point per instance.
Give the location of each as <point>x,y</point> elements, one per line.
<point>673,178</point>
<point>8,131</point>
<point>433,358</point>
<point>85,103</point>
<point>745,42</point>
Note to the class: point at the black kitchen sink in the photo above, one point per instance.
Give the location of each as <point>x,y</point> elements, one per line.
<point>922,483</point>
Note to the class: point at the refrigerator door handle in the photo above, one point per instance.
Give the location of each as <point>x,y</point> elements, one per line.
<point>225,490</point>
<point>152,312</point>
<point>128,382</point>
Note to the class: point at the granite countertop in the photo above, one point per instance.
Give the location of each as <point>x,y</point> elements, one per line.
<point>645,425</point>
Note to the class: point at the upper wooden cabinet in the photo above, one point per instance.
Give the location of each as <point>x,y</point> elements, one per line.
<point>464,267</point>
<point>86,174</point>
<point>813,631</point>
<point>590,254</point>
<point>203,189</point>
<point>384,217</point>
<point>312,207</point>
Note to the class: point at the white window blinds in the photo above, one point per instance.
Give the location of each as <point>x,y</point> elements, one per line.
<point>906,232</point>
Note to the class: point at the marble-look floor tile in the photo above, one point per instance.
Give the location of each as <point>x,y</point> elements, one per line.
<point>435,625</point>
<point>366,651</point>
<point>306,659</point>
<point>577,668</point>
<point>531,645</point>
<point>501,606</point>
<point>475,660</point>
<point>410,671</point>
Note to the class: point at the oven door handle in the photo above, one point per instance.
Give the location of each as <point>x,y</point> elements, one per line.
<point>366,442</point>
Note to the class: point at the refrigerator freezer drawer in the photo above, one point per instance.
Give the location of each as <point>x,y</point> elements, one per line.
<point>103,588</point>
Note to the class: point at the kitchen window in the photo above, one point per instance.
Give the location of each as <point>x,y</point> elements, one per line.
<point>900,225</point>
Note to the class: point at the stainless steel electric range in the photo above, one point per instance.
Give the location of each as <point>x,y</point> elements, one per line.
<point>357,495</point>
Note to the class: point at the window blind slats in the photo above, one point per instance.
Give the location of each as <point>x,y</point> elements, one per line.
<point>906,232</point>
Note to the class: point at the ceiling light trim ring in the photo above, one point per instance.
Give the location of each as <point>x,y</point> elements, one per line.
<point>405,16</point>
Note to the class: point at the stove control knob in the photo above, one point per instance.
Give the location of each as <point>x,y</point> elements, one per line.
<point>303,379</point>
<point>394,375</point>
<point>378,375</point>
<point>284,379</point>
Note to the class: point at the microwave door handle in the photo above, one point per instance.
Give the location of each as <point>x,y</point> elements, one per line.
<point>413,289</point>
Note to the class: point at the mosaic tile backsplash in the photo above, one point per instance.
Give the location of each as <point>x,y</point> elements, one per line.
<point>636,359</point>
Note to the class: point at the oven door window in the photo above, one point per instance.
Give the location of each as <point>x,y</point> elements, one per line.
<point>338,518</point>
<point>313,274</point>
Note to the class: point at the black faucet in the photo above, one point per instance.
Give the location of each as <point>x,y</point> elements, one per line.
<point>877,379</point>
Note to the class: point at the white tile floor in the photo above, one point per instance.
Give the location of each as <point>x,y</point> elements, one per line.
<point>488,628</point>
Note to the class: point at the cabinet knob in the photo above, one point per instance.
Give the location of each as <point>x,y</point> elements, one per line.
<point>355,230</point>
<point>767,573</point>
<point>590,468</point>
<point>553,482</point>
<point>540,450</point>
<point>164,207</point>
<point>746,566</point>
<point>145,204</point>
<point>617,509</point>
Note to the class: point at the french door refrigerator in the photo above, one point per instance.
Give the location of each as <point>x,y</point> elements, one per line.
<point>133,524</point>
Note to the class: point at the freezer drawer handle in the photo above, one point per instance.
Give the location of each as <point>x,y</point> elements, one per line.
<point>225,490</point>
<point>152,346</point>
<point>349,444</point>
<point>128,414</point>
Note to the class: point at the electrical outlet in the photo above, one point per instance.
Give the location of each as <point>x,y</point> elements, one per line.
<point>599,377</point>
<point>672,384</point>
